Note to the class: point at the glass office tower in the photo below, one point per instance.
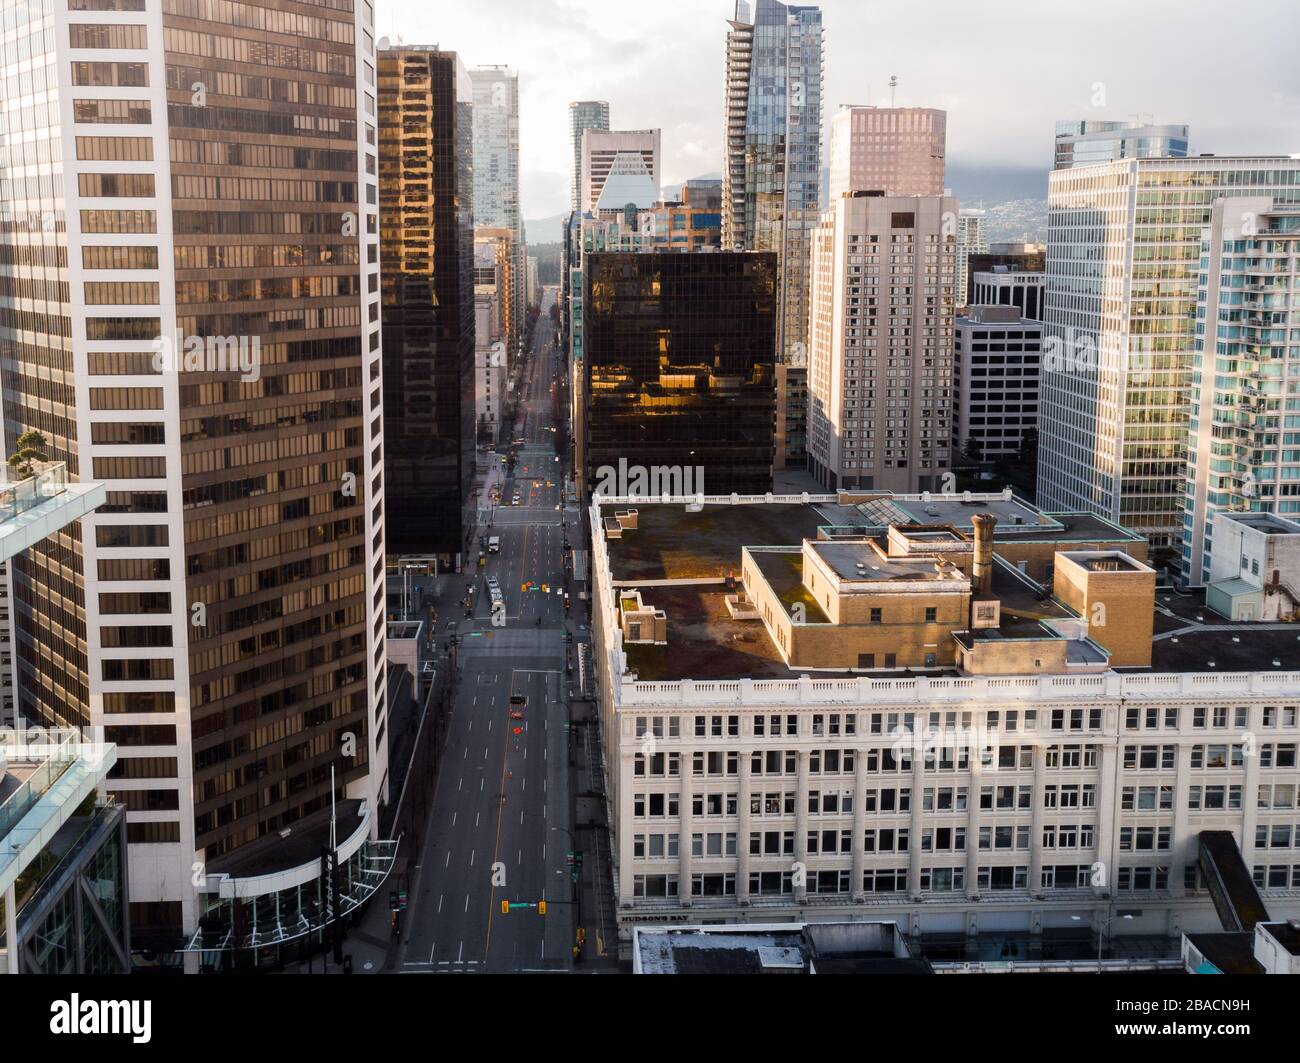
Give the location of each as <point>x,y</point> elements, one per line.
<point>1120,314</point>
<point>1083,142</point>
<point>772,177</point>
<point>583,114</point>
<point>679,352</point>
<point>426,160</point>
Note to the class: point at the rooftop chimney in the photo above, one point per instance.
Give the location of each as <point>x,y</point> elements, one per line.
<point>982,570</point>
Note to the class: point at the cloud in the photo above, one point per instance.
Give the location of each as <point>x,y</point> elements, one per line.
<point>1004,71</point>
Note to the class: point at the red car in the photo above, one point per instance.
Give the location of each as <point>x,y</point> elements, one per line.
<point>516,715</point>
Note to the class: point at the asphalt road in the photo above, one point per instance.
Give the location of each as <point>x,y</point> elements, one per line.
<point>500,821</point>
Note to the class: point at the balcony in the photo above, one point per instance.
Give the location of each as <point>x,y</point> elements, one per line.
<point>34,508</point>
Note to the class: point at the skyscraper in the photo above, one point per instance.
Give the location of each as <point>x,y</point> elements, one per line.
<point>193,216</point>
<point>880,371</point>
<point>426,161</point>
<point>497,201</point>
<point>972,239</point>
<point>1242,448</point>
<point>583,114</point>
<point>771,180</point>
<point>1083,142</point>
<point>1123,254</point>
<point>617,168</point>
<point>895,150</point>
<point>678,353</point>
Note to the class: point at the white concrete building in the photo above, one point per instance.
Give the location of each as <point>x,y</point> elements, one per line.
<point>743,790</point>
<point>619,167</point>
<point>881,342</point>
<point>1243,448</point>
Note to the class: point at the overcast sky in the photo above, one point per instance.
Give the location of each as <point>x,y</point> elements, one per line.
<point>1005,70</point>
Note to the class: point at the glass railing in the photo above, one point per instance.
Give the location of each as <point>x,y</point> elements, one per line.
<point>18,497</point>
<point>51,757</point>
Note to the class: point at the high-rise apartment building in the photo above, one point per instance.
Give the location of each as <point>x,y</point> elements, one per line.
<point>1123,262</point>
<point>426,166</point>
<point>491,302</point>
<point>972,239</point>
<point>880,364</point>
<point>677,357</point>
<point>619,168</point>
<point>499,244</point>
<point>895,150</point>
<point>1084,142</point>
<point>583,114</point>
<point>771,181</point>
<point>191,316</point>
<point>497,202</point>
<point>1243,450</point>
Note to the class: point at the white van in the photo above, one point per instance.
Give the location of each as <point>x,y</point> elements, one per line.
<point>494,545</point>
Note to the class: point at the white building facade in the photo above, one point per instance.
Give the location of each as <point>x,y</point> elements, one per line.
<point>880,371</point>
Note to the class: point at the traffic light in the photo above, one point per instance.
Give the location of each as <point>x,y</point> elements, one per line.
<point>505,907</point>
<point>541,907</point>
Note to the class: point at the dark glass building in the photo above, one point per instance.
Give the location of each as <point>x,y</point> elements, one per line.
<point>426,180</point>
<point>678,368</point>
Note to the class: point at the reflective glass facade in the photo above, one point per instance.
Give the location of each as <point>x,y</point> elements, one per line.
<point>36,359</point>
<point>774,123</point>
<point>1120,316</point>
<point>426,189</point>
<point>678,358</point>
<point>1081,143</point>
<point>203,171</point>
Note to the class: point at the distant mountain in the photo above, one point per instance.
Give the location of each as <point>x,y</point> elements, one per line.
<point>545,230</point>
<point>1015,196</point>
<point>983,185</point>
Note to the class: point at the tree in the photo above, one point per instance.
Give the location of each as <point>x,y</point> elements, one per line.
<point>30,449</point>
<point>972,451</point>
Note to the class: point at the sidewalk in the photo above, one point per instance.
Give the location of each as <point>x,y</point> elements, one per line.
<point>592,832</point>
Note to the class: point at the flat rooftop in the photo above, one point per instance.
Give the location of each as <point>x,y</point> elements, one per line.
<point>832,948</point>
<point>1268,523</point>
<point>1220,646</point>
<point>859,562</point>
<point>671,543</point>
<point>704,642</point>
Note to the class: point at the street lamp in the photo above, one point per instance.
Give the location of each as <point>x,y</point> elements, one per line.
<point>1110,907</point>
